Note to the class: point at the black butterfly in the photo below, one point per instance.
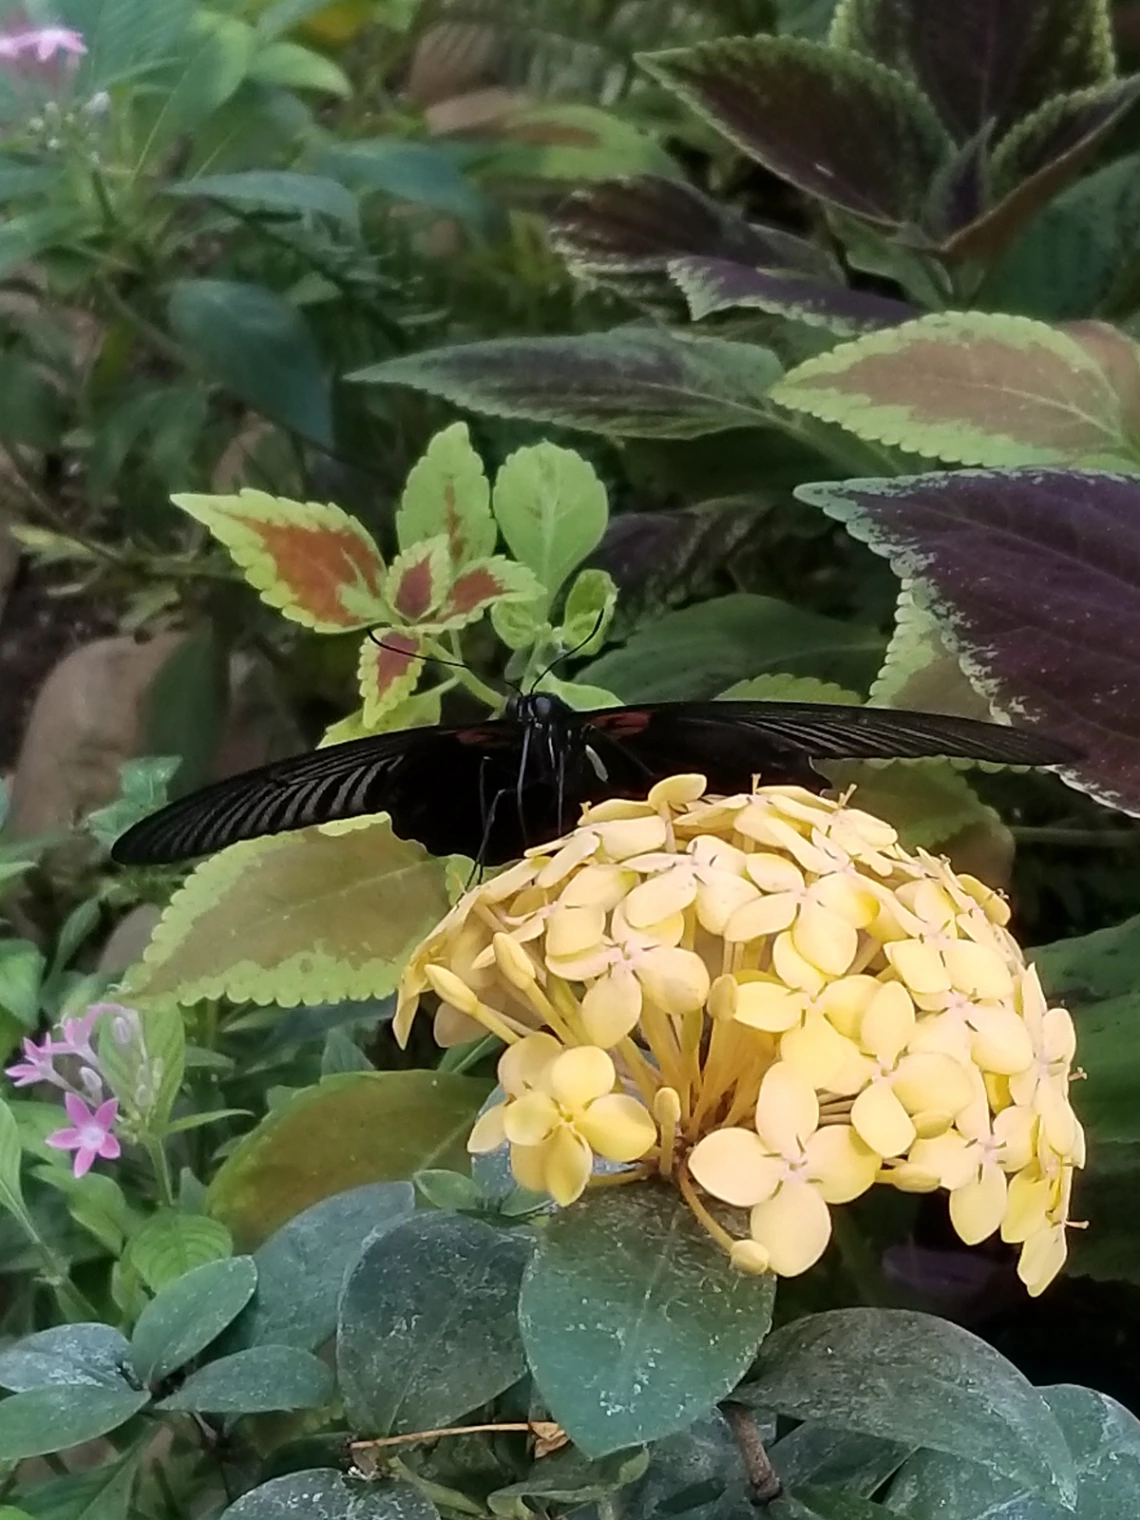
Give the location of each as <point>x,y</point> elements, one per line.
<point>492,789</point>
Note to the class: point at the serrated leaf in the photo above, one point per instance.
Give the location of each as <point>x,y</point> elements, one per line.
<point>308,917</point>
<point>388,673</point>
<point>633,1320</point>
<point>487,583</point>
<point>363,1127</point>
<point>251,341</point>
<point>552,510</point>
<point>644,383</point>
<point>171,1244</point>
<point>920,670</point>
<point>979,546</point>
<point>284,191</point>
<point>260,1380</point>
<point>972,388</point>
<point>588,611</point>
<point>447,492</point>
<point>312,561</point>
<point>983,63</point>
<point>428,1323</point>
<point>842,128</point>
<point>715,285</point>
<point>912,1377</point>
<point>188,1314</point>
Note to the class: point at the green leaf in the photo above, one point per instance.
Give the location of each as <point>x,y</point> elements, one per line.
<point>21,972</point>
<point>696,1475</point>
<point>261,1380</point>
<point>568,1478</point>
<point>170,1244</point>
<point>913,1378</point>
<point>428,1325</point>
<point>588,611</point>
<point>284,191</point>
<point>142,788</point>
<point>301,1268</point>
<point>363,1127</point>
<point>1103,1437</point>
<point>637,383</point>
<point>453,1191</point>
<point>251,341</point>
<point>54,1419</point>
<point>11,1147</point>
<point>973,388</point>
<point>816,1455</point>
<point>323,1493</point>
<point>89,1354</point>
<point>551,508</point>
<point>144,1070</point>
<point>409,171</point>
<point>699,650</point>
<point>188,1314</point>
<point>633,1320</point>
<point>96,1202</point>
<point>294,920</point>
<point>447,493</point>
<point>102,1493</point>
<point>208,71</point>
<point>573,143</point>
<point>289,66</point>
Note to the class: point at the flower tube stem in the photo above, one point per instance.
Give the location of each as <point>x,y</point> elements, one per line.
<point>700,1213</point>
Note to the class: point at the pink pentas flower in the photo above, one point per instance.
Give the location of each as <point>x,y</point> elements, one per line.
<point>38,1065</point>
<point>43,43</point>
<point>77,1032</point>
<point>89,1134</point>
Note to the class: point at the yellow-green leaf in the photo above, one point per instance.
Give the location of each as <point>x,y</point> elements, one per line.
<point>309,917</point>
<point>351,1129</point>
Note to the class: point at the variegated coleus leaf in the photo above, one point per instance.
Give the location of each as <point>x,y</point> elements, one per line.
<point>388,672</point>
<point>448,493</point>
<point>1034,578</point>
<point>715,285</point>
<point>312,561</point>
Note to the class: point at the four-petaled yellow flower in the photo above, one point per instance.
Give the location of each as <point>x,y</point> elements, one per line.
<point>768,1000</point>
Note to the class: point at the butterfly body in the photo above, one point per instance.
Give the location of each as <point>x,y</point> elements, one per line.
<point>489,790</point>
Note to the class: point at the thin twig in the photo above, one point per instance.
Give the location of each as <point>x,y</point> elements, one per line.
<point>762,1479</point>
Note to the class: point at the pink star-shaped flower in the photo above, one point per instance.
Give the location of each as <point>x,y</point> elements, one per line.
<point>37,1066</point>
<point>90,1135</point>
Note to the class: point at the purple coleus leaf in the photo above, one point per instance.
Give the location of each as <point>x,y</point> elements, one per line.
<point>715,285</point>
<point>1035,576</point>
<point>983,61</point>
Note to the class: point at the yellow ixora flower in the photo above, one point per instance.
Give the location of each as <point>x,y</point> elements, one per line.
<point>767,1000</point>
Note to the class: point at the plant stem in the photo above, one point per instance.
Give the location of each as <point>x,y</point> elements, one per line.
<point>762,1478</point>
<point>468,679</point>
<point>153,336</point>
<point>464,1057</point>
<point>157,1153</point>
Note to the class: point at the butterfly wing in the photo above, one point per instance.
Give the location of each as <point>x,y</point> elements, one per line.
<point>730,742</point>
<point>438,785</point>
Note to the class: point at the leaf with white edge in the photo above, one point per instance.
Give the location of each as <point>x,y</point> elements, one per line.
<point>1102,1435</point>
<point>261,1380</point>
<point>715,285</point>
<point>309,917</point>
<point>362,1127</point>
<point>189,1313</point>
<point>634,1322</point>
<point>840,127</point>
<point>171,1244</point>
<point>643,383</point>
<point>387,673</point>
<point>250,340</point>
<point>447,492</point>
<point>971,388</point>
<point>552,510</point>
<point>283,191</point>
<point>428,1325</point>
<point>302,1266</point>
<point>1033,576</point>
<point>983,64</point>
<point>699,650</point>
<point>55,1419</point>
<point>313,562</point>
<point>919,669</point>
<point>324,1493</point>
<point>911,1377</point>
<point>91,1354</point>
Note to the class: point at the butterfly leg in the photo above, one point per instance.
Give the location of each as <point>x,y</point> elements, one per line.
<point>520,783</point>
<point>488,824</point>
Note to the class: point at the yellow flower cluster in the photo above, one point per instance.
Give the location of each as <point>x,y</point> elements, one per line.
<point>766,998</point>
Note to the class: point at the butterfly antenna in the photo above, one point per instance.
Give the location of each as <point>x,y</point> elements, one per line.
<point>568,654</point>
<point>436,659</point>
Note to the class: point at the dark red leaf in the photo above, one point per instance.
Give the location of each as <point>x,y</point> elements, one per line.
<point>1036,574</point>
<point>841,127</point>
<point>983,61</point>
<point>713,285</point>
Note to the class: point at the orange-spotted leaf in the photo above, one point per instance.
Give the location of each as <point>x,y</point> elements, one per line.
<point>418,581</point>
<point>388,672</point>
<point>447,492</point>
<point>310,560</point>
<point>480,586</point>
